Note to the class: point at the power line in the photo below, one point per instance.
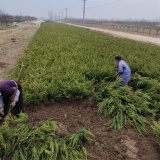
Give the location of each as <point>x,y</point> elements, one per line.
<point>107,4</point>
<point>104,4</point>
<point>73,4</point>
<point>84,9</point>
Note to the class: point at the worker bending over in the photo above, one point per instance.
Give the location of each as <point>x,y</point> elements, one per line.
<point>123,70</point>
<point>7,89</point>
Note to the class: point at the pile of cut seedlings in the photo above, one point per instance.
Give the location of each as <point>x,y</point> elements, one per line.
<point>20,141</point>
<point>129,104</point>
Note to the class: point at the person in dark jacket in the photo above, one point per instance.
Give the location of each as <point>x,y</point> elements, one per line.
<point>123,70</point>
<point>7,89</point>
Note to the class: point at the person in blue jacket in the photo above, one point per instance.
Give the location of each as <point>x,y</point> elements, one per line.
<point>123,70</point>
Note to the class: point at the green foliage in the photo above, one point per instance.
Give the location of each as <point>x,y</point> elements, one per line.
<point>123,105</point>
<point>147,85</point>
<point>63,61</point>
<point>156,128</point>
<point>20,141</point>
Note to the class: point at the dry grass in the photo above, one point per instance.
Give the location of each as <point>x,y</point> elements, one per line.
<point>11,50</point>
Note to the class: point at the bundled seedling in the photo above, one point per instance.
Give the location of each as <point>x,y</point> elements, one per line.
<point>149,86</point>
<point>19,141</point>
<point>123,105</point>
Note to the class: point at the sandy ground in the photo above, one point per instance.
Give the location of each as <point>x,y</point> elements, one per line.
<point>11,50</point>
<point>141,38</point>
<point>31,23</point>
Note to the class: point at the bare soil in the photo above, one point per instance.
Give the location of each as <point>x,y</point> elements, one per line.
<point>11,50</point>
<point>108,144</point>
<point>74,114</point>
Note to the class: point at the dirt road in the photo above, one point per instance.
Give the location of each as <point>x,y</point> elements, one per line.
<point>11,50</point>
<point>141,38</point>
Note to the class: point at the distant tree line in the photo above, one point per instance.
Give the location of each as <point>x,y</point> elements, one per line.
<point>134,26</point>
<point>6,18</point>
<point>127,23</point>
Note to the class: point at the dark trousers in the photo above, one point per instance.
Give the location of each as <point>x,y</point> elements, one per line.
<point>19,105</point>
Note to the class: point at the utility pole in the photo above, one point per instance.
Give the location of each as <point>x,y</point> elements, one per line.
<point>56,16</point>
<point>66,15</point>
<point>84,12</point>
<point>62,15</point>
<point>59,16</point>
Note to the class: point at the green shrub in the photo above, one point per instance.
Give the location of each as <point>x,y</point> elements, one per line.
<point>63,61</point>
<point>156,129</point>
<point>18,140</point>
<point>123,105</point>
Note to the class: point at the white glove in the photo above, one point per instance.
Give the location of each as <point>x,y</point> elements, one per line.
<point>17,96</point>
<point>13,104</point>
<point>2,110</point>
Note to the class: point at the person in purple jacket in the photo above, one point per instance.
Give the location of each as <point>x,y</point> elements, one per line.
<point>123,70</point>
<point>7,89</point>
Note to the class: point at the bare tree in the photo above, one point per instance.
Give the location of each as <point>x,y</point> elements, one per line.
<point>7,18</point>
<point>50,15</point>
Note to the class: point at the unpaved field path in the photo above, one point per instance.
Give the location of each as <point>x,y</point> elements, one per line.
<point>11,50</point>
<point>141,38</point>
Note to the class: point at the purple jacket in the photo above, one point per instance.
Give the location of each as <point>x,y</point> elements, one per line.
<point>7,87</point>
<point>123,68</point>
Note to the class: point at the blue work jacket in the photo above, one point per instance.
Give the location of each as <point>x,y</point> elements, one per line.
<point>123,69</point>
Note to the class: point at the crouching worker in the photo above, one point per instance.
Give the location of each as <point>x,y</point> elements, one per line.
<point>123,70</point>
<point>7,89</point>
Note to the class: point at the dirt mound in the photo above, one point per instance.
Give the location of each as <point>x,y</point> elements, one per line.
<point>108,144</point>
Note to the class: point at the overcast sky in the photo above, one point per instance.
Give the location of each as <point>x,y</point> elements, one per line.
<point>95,9</point>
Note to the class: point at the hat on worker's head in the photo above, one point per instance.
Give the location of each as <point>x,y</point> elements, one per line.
<point>118,57</point>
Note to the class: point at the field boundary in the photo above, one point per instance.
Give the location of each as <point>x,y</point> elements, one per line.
<point>141,38</point>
